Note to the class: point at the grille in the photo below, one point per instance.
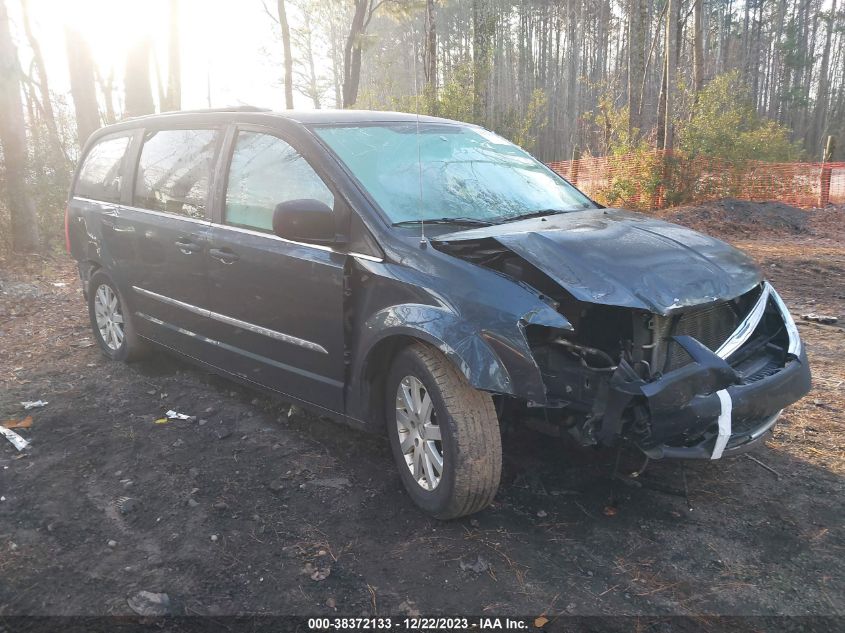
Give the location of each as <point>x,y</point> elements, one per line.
<point>710,326</point>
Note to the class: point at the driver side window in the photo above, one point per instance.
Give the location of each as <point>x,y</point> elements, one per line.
<point>265,171</point>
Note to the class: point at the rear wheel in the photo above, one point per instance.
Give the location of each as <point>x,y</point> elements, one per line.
<point>111,321</point>
<point>444,434</point>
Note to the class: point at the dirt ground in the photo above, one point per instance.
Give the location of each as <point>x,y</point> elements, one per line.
<point>259,509</point>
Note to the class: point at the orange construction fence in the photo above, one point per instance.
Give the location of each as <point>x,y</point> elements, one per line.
<point>658,179</point>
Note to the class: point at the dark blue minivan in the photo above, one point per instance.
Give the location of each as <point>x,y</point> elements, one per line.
<point>424,278</point>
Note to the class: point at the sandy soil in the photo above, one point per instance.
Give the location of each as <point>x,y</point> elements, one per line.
<point>240,511</point>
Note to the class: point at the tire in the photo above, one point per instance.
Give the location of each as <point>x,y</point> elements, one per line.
<point>126,347</point>
<point>470,444</point>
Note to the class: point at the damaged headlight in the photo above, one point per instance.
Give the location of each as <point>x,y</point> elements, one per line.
<point>789,323</point>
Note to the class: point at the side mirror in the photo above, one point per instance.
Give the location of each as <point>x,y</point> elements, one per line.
<point>305,221</point>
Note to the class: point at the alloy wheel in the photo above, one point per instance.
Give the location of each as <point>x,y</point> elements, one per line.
<point>419,433</point>
<point>109,316</point>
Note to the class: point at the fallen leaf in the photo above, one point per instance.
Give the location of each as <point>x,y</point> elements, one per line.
<point>321,574</point>
<point>541,621</point>
<point>316,573</point>
<point>609,511</point>
<point>19,424</point>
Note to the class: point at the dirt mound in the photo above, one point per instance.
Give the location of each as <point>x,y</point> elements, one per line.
<point>731,218</point>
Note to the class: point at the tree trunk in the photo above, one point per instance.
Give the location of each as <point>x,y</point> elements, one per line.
<point>637,25</point>
<point>775,82</point>
<point>337,62</point>
<point>483,21</point>
<point>821,109</point>
<point>174,62</point>
<point>24,221</point>
<point>107,90</point>
<point>698,48</point>
<point>352,53</point>
<point>672,14</point>
<point>82,88</point>
<point>724,50</point>
<point>139,94</point>
<point>430,52</point>
<point>283,22</point>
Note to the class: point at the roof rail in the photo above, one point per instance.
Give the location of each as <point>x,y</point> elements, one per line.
<point>239,108</point>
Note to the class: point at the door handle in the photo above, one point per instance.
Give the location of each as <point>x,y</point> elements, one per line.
<point>224,255</point>
<point>187,247</point>
<point>110,222</point>
<point>108,217</point>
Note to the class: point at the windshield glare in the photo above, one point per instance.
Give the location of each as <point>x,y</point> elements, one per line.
<point>466,172</point>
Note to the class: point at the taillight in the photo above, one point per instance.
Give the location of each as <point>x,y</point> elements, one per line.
<point>67,228</point>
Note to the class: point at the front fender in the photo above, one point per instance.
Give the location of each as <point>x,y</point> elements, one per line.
<point>497,359</point>
<point>468,350</point>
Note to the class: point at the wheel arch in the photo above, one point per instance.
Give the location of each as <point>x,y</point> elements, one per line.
<point>469,352</point>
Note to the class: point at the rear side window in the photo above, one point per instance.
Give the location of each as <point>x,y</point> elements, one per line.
<point>99,177</point>
<point>264,172</point>
<point>174,171</point>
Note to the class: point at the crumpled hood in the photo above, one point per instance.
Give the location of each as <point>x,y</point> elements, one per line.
<point>614,257</point>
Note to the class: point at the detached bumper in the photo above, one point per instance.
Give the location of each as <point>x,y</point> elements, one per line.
<point>709,408</point>
<point>693,430</point>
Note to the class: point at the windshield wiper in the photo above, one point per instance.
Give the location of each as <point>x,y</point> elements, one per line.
<point>455,220</point>
<point>535,214</point>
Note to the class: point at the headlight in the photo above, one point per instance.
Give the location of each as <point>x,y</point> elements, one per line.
<point>791,328</point>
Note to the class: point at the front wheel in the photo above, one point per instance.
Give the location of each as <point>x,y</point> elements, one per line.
<point>444,434</point>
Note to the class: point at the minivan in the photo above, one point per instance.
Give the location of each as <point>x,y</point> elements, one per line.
<point>428,279</point>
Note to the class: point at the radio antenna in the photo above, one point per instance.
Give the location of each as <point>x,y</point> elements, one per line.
<point>419,153</point>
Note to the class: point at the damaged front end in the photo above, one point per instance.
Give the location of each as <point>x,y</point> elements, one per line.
<point>656,361</point>
<point>699,384</point>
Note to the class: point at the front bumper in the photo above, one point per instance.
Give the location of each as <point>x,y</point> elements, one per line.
<point>753,410</point>
<point>709,407</point>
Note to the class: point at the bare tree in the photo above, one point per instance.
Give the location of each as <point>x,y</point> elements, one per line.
<point>283,22</point>
<point>666,114</point>
<point>362,15</point>
<point>81,68</point>
<point>46,102</point>
<point>821,109</point>
<point>307,83</point>
<point>139,95</point>
<point>637,26</point>
<point>173,99</point>
<point>698,46</point>
<point>106,85</point>
<point>352,52</point>
<point>13,141</point>
<point>483,27</point>
<point>430,51</point>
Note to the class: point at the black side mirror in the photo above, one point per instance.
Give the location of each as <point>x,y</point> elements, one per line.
<point>305,221</point>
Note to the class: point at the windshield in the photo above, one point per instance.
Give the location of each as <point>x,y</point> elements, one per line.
<point>466,172</point>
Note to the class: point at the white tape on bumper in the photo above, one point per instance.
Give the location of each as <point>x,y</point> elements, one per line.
<point>724,423</point>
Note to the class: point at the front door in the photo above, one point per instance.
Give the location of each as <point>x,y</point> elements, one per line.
<point>278,305</point>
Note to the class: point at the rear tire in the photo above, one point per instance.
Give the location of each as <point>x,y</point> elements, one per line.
<point>111,320</point>
<point>433,412</point>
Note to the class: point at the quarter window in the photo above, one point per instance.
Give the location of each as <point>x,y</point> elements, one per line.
<point>174,171</point>
<point>264,172</point>
<point>99,177</point>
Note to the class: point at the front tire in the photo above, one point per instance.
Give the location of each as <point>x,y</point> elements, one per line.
<point>444,434</point>
<point>111,320</point>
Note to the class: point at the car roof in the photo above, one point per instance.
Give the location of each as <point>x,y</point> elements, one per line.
<point>252,114</point>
